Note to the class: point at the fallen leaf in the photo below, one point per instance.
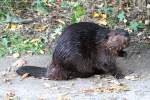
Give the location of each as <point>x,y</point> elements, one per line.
<point>35,40</point>
<point>140,33</point>
<point>9,95</point>
<point>45,1</point>
<point>125,20</point>
<point>132,77</point>
<point>11,27</point>
<point>147,22</point>
<point>62,97</point>
<point>30,53</point>
<point>16,55</point>
<point>107,89</point>
<point>42,52</point>
<point>99,15</point>
<point>148,6</point>
<point>95,14</point>
<point>39,27</point>
<point>101,18</point>
<point>60,21</point>
<point>102,22</point>
<point>6,80</point>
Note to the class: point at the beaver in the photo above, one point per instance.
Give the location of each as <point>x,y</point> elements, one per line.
<point>82,50</point>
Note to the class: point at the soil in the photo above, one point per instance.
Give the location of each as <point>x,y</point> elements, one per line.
<point>136,85</point>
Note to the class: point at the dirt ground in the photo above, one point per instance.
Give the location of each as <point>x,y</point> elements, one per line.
<point>136,85</point>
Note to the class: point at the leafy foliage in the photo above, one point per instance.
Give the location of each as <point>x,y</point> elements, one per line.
<point>121,16</point>
<point>40,7</point>
<point>67,4</point>
<point>57,13</point>
<point>77,12</point>
<point>136,25</point>
<point>107,10</point>
<point>15,43</point>
<point>10,6</point>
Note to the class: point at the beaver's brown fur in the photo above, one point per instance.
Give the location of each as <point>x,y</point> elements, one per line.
<point>83,49</point>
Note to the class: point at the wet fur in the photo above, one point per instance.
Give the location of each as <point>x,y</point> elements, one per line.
<point>80,52</point>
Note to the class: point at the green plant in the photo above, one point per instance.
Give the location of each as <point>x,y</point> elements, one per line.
<point>133,25</point>
<point>11,6</point>
<point>5,7</point>
<point>40,7</point>
<point>15,43</point>
<point>77,12</point>
<point>121,16</point>
<point>69,4</point>
<point>56,32</point>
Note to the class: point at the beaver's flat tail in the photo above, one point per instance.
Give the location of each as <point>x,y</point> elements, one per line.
<point>37,72</point>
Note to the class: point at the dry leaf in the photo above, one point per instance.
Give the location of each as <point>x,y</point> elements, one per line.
<point>62,97</point>
<point>60,21</point>
<point>95,14</point>
<point>101,18</point>
<point>132,77</point>
<point>148,6</point>
<point>35,40</point>
<point>19,63</point>
<point>107,89</point>
<point>30,53</point>
<point>125,20</point>
<point>45,1</point>
<point>147,22</point>
<point>42,52</point>
<point>9,95</point>
<point>16,55</point>
<point>39,28</point>
<point>102,22</point>
<point>11,27</point>
<point>7,80</point>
